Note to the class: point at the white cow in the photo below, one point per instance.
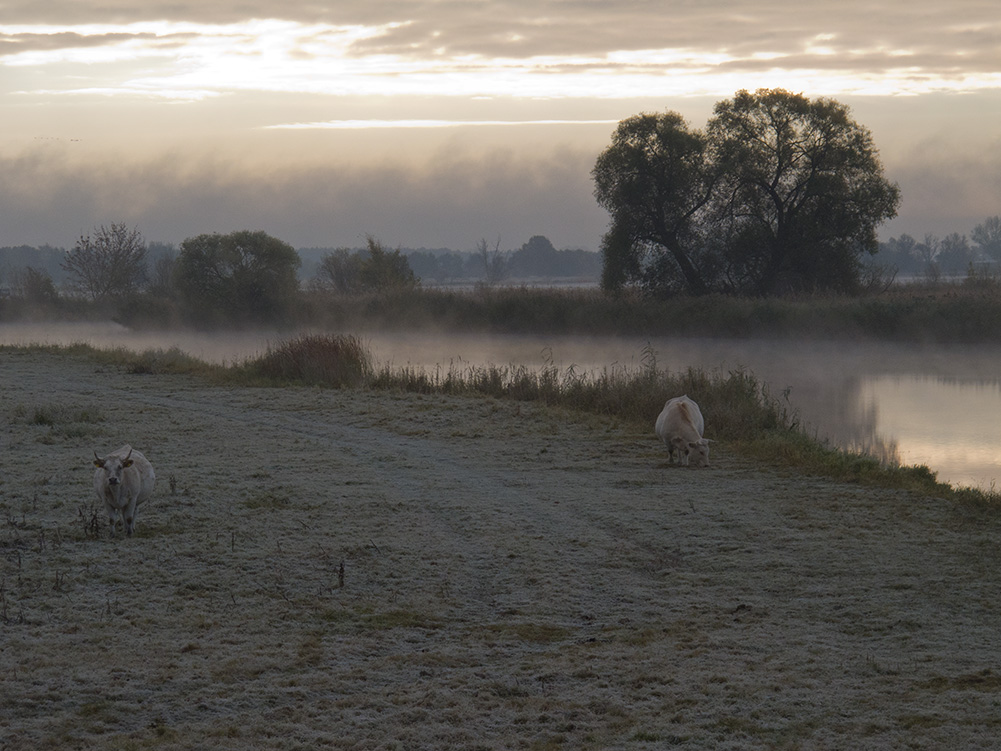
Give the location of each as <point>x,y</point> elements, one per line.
<point>680,427</point>
<point>123,480</point>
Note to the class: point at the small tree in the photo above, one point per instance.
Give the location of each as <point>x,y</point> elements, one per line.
<point>954,255</point>
<point>339,272</point>
<point>373,270</point>
<point>987,236</point>
<point>383,269</point>
<point>243,276</point>
<point>34,286</point>
<point>494,263</point>
<point>109,265</point>
<point>537,257</point>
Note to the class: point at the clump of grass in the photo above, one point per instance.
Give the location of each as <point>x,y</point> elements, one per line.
<point>155,361</point>
<point>268,499</point>
<point>539,633</point>
<point>365,619</point>
<point>49,415</point>
<point>63,421</point>
<point>313,360</point>
<point>43,416</point>
<point>985,680</point>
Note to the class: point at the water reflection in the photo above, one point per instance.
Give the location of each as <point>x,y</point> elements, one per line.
<point>943,422</point>
<point>934,405</point>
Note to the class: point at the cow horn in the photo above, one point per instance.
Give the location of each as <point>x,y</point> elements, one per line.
<point>98,460</point>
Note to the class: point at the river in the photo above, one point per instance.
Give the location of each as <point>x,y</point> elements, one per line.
<point>933,405</point>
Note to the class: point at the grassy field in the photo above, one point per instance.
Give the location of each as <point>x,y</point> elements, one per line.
<point>411,568</point>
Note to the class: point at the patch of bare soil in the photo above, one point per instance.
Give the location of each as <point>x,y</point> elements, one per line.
<point>344,569</point>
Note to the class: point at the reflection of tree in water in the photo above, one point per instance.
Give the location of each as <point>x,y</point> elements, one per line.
<point>847,421</point>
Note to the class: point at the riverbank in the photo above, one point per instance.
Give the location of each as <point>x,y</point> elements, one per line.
<point>807,405</point>
<point>965,312</point>
<point>356,568</point>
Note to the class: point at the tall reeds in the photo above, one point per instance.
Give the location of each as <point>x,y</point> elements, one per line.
<point>313,360</point>
<point>735,403</point>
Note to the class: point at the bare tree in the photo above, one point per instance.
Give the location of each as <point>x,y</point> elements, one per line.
<point>108,265</point>
<point>494,262</point>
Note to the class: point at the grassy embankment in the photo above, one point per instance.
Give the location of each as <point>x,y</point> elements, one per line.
<point>740,411</point>
<point>968,312</point>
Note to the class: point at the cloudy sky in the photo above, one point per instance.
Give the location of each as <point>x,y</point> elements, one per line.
<point>443,122</point>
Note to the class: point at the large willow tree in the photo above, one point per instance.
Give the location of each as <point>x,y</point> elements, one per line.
<point>777,193</point>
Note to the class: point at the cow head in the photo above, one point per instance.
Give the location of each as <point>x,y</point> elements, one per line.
<point>698,452</point>
<point>113,466</point>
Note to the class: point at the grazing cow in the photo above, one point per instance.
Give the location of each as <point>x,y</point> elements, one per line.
<point>123,480</point>
<point>680,427</point>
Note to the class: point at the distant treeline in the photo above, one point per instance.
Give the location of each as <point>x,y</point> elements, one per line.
<point>933,257</point>
<point>903,258</point>
<point>250,279</point>
<point>536,260</point>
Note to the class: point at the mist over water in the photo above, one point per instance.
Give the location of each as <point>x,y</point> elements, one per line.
<point>933,405</point>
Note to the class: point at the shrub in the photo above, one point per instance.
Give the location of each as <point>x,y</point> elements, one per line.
<point>314,360</point>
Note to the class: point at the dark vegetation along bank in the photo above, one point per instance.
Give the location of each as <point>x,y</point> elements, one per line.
<point>741,415</point>
<point>967,311</point>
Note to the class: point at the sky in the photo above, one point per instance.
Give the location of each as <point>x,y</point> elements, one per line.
<point>441,123</point>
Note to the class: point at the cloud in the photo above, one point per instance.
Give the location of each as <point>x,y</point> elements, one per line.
<point>407,124</point>
<point>17,43</point>
<point>451,200</point>
<point>946,189</point>
<point>521,28</point>
<point>512,46</point>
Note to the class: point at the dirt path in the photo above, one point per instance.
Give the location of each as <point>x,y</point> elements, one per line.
<point>512,578</point>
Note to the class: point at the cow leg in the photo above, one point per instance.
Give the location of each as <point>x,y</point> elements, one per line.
<point>677,446</point>
<point>113,515</point>
<point>129,517</point>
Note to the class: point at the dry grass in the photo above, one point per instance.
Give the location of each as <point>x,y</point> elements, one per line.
<point>334,361</point>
